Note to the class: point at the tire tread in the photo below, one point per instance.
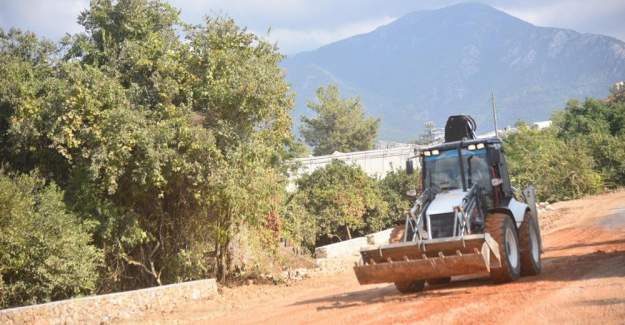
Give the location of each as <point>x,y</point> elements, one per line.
<point>496,225</point>
<point>528,267</point>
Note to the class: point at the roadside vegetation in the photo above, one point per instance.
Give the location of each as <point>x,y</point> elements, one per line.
<point>165,142</point>
<point>146,151</point>
<point>45,250</point>
<point>581,153</point>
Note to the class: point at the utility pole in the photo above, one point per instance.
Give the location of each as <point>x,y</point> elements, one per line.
<point>492,99</point>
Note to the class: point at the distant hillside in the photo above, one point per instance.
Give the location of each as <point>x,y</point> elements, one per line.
<point>430,64</point>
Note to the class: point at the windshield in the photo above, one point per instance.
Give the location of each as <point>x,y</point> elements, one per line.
<point>442,172</point>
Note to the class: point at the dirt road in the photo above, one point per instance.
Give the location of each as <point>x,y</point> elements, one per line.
<point>583,281</point>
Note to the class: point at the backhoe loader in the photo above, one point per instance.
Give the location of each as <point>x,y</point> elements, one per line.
<point>468,218</point>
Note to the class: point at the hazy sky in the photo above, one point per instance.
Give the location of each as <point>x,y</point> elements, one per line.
<point>299,25</point>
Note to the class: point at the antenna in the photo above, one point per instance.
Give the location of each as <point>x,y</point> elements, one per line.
<point>492,99</point>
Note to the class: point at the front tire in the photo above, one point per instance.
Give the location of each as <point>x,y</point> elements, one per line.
<point>501,228</point>
<point>410,286</point>
<point>438,281</point>
<point>397,234</point>
<point>529,243</point>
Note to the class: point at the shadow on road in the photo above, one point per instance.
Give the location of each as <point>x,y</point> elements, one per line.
<point>389,294</point>
<point>597,264</point>
<point>602,302</point>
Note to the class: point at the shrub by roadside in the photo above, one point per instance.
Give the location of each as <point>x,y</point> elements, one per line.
<point>45,250</point>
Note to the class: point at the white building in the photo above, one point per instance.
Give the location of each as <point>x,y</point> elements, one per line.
<point>375,163</point>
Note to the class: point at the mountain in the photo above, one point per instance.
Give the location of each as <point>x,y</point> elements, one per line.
<point>430,64</point>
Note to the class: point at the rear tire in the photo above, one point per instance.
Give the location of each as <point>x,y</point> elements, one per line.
<point>410,286</point>
<point>501,228</point>
<point>397,236</point>
<point>529,243</point>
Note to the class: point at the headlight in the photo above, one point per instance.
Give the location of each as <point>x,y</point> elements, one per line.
<point>471,147</point>
<point>480,146</point>
<point>427,153</point>
<point>435,152</point>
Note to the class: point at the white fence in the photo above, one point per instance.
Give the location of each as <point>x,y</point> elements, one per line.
<point>376,163</point>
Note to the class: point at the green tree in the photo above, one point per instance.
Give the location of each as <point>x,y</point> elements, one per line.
<point>600,126</point>
<point>45,250</point>
<point>344,201</point>
<point>168,146</point>
<point>24,64</point>
<point>340,124</point>
<point>240,94</point>
<point>394,187</point>
<point>137,43</point>
<point>558,169</point>
<point>609,156</point>
<point>238,87</point>
<point>300,226</point>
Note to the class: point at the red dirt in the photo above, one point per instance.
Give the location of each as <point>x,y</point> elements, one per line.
<point>583,281</point>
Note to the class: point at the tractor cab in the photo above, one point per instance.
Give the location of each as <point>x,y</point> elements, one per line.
<point>451,171</point>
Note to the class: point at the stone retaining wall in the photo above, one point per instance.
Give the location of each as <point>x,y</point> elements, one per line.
<point>113,307</point>
<point>352,247</point>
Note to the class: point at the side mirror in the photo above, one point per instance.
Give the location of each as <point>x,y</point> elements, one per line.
<point>409,167</point>
<point>496,182</point>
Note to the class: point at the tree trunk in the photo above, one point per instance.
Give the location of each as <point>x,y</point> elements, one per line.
<point>223,258</point>
<point>349,234</point>
<point>221,262</point>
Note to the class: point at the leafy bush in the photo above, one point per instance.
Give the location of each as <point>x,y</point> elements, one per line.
<point>45,251</point>
<point>344,201</point>
<point>600,126</point>
<point>580,154</point>
<point>609,155</point>
<point>394,187</point>
<point>300,226</point>
<point>558,169</point>
<point>168,145</point>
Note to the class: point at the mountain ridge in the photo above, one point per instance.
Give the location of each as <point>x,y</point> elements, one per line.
<point>433,63</point>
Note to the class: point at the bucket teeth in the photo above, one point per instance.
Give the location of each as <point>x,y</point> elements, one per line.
<point>443,258</point>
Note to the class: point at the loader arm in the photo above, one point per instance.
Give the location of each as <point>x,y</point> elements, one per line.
<point>463,213</point>
<point>414,218</point>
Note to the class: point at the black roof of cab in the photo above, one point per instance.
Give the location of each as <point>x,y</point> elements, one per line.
<point>462,143</point>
